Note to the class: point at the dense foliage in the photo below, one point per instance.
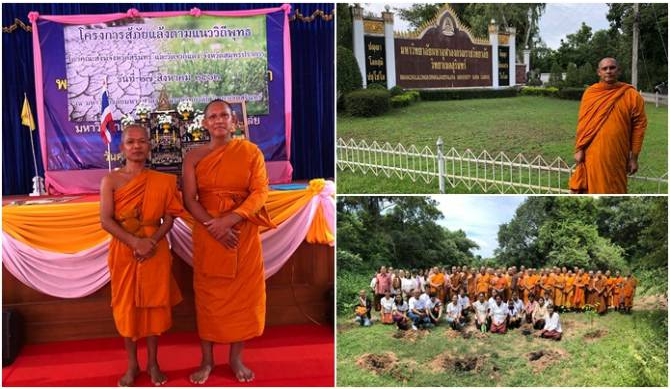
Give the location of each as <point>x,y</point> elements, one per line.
<point>348,77</point>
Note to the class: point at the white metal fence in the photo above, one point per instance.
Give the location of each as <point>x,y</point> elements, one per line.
<point>468,171</point>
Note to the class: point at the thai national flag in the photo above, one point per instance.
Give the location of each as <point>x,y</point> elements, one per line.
<point>106,121</point>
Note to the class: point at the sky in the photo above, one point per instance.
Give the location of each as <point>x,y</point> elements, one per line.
<point>556,23</point>
<point>478,216</point>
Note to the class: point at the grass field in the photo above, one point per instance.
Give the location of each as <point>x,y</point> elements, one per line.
<point>610,350</point>
<point>528,125</point>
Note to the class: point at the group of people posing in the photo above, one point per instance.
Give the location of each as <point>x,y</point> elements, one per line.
<point>415,299</point>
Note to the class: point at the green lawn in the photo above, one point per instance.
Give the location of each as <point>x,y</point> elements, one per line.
<point>631,350</point>
<point>528,125</point>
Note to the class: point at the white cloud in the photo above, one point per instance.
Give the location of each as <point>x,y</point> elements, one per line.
<point>478,216</point>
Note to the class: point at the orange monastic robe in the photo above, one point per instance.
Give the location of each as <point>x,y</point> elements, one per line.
<point>229,284</point>
<point>580,283</point>
<point>600,294</point>
<point>549,285</point>
<point>616,292</point>
<point>568,291</point>
<point>437,286</point>
<point>482,284</point>
<point>558,290</point>
<point>628,291</point>
<point>502,284</point>
<point>143,293</point>
<point>471,286</point>
<point>529,283</point>
<point>611,124</point>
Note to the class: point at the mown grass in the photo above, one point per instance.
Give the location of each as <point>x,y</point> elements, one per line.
<point>525,125</point>
<point>632,352</point>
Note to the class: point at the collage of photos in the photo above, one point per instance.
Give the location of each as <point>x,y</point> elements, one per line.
<point>483,235</point>
<point>308,194</point>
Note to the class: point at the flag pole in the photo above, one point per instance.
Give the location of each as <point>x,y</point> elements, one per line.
<point>109,158</point>
<point>38,184</point>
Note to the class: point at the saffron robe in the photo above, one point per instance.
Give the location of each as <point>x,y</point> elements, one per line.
<point>229,284</point>
<point>437,286</point>
<point>580,284</point>
<point>600,294</point>
<point>616,292</point>
<point>558,290</point>
<point>628,291</point>
<point>143,293</point>
<point>482,284</point>
<point>611,124</point>
<point>568,291</point>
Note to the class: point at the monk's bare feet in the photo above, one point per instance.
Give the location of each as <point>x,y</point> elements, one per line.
<point>129,377</point>
<point>156,375</point>
<point>242,373</point>
<point>201,375</point>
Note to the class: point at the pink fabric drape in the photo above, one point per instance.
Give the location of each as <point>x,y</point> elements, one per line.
<point>81,274</point>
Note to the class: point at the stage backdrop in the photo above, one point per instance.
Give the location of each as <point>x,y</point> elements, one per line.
<point>196,55</point>
<point>309,149</point>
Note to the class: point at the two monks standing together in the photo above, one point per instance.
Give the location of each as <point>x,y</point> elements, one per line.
<point>609,134</point>
<point>225,188</point>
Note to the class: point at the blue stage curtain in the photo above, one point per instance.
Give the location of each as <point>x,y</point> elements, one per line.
<point>312,149</point>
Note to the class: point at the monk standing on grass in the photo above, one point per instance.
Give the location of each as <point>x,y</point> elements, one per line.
<point>137,207</point>
<point>225,188</point>
<point>609,134</point>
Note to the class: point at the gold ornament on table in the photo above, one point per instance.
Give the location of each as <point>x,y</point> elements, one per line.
<point>186,109</point>
<point>142,110</point>
<point>195,128</point>
<point>165,121</point>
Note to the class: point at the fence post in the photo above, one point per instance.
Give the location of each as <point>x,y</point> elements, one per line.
<point>439,155</point>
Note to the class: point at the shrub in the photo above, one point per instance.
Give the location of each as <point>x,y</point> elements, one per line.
<point>348,286</point>
<point>401,100</point>
<point>464,94</point>
<point>538,91</point>
<point>348,77</point>
<point>367,102</point>
<point>571,93</point>
<point>415,95</point>
<point>396,90</point>
<point>376,86</point>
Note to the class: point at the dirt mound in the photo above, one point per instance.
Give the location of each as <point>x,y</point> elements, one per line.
<point>347,326</point>
<point>377,363</point>
<point>472,332</point>
<point>387,363</point>
<point>594,335</point>
<point>410,335</point>
<point>650,303</point>
<point>541,359</point>
<point>447,362</point>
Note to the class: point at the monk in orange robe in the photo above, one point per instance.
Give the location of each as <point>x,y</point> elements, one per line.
<point>482,283</point>
<point>580,284</point>
<point>471,284</point>
<point>591,298</point>
<point>609,134</point>
<point>600,293</point>
<point>558,290</point>
<point>437,285</point>
<point>501,284</point>
<point>549,285</point>
<point>225,188</point>
<point>528,284</point>
<point>628,292</point>
<point>616,291</point>
<point>568,291</point>
<point>609,281</point>
<point>137,207</point>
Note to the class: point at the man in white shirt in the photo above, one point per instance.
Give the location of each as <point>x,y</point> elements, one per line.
<point>417,310</point>
<point>499,314</point>
<point>463,301</point>
<point>435,310</point>
<point>454,314</point>
<point>552,328</point>
<point>386,305</point>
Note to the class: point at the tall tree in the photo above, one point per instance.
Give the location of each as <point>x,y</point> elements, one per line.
<point>343,25</point>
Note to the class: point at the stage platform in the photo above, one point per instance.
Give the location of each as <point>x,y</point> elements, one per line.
<point>55,307</point>
<point>294,355</point>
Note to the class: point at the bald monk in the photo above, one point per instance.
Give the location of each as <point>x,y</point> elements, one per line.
<point>558,290</point>
<point>609,134</point>
<point>225,188</point>
<point>628,292</point>
<point>436,284</point>
<point>617,286</point>
<point>482,283</point>
<point>600,293</point>
<point>137,207</point>
<point>568,291</point>
<point>580,284</point>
